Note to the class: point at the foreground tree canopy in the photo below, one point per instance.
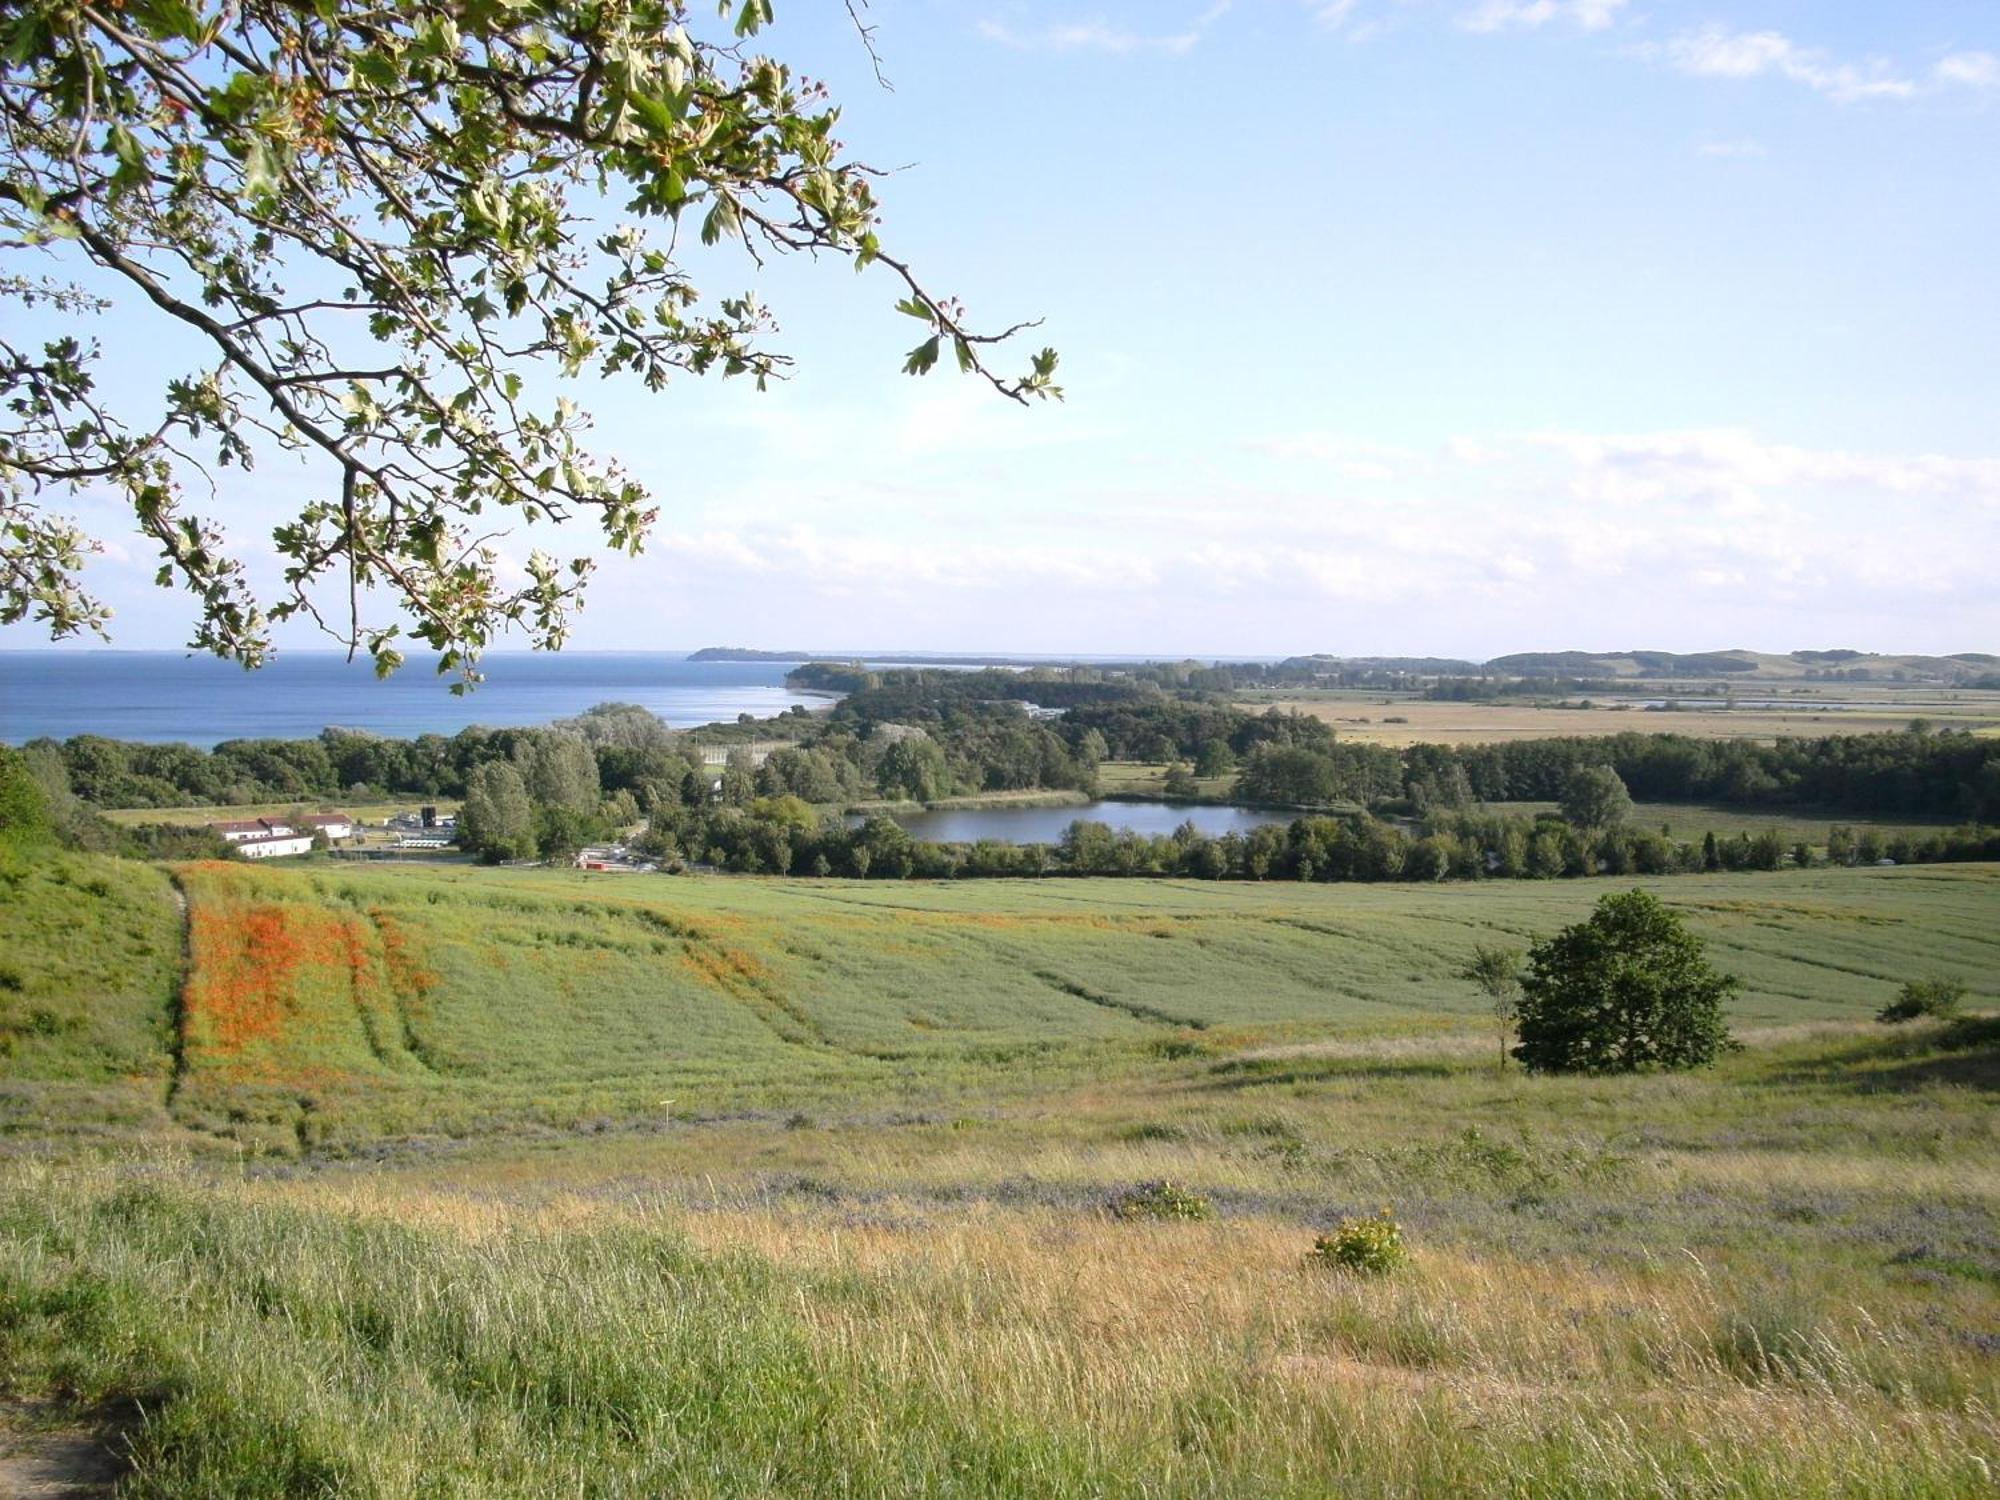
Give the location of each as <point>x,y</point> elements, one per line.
<point>375,216</point>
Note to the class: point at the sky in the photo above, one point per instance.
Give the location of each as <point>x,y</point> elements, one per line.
<point>1449,327</point>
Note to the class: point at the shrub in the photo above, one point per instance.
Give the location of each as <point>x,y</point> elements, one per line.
<point>1629,988</point>
<point>1942,998</point>
<point>1368,1247</point>
<point>1162,1200</point>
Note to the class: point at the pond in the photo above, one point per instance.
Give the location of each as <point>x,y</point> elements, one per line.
<point>1045,825</point>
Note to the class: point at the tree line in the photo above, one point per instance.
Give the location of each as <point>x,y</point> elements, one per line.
<point>785,836</point>
<point>955,743</point>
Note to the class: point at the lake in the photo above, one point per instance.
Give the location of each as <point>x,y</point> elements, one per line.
<point>168,695</point>
<point>1045,825</point>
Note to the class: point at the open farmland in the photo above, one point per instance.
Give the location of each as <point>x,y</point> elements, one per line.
<point>746,1187</point>
<point>328,1007</point>
<point>1397,721</point>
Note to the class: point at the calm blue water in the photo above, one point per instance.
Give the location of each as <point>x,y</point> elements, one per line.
<point>1045,825</point>
<point>165,695</point>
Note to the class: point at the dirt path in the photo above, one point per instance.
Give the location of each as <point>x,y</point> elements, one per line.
<point>178,1019</point>
<point>41,1461</point>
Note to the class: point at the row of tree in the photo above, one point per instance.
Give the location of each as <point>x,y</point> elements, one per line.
<point>943,744</point>
<point>785,836</point>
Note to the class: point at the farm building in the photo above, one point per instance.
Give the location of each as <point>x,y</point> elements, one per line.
<point>242,830</point>
<point>609,857</point>
<point>274,846</point>
<point>335,825</point>
<point>759,752</point>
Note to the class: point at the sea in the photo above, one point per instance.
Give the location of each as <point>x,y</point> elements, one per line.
<point>169,696</point>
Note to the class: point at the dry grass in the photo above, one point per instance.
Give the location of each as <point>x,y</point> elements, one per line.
<point>1209,1356</point>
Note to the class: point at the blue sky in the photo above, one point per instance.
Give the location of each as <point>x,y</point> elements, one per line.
<point>1457,326</point>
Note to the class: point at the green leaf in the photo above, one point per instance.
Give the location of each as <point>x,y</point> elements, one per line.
<point>916,309</point>
<point>260,168</point>
<point>721,220</point>
<point>375,68</point>
<point>922,358</point>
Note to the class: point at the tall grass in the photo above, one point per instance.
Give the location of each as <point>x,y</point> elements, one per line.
<point>282,1342</point>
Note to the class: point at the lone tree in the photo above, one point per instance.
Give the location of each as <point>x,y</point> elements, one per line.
<point>1497,972</point>
<point>376,221</point>
<point>1629,988</point>
<point>1595,797</point>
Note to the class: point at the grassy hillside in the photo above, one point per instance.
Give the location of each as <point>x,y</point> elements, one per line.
<point>1774,1280</point>
<point>325,1008</point>
<point>800,1189</point>
<point>90,962</point>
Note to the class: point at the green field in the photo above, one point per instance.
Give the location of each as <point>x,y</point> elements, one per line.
<point>474,1182</point>
<point>332,1006</point>
<point>1689,821</point>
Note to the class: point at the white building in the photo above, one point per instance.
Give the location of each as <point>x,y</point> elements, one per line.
<point>335,825</point>
<point>241,830</point>
<point>274,846</point>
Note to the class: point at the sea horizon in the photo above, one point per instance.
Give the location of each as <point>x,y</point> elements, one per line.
<point>177,697</point>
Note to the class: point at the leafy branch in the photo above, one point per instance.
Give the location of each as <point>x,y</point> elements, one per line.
<point>379,217</point>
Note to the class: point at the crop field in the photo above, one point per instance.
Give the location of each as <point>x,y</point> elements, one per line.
<point>477,1182</point>
<point>326,1007</point>
<point>1380,719</point>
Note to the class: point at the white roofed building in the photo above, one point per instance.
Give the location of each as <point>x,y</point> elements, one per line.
<point>274,846</point>
<point>241,830</point>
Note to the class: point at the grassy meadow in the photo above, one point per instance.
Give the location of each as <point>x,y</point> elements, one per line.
<point>1688,821</point>
<point>470,1182</point>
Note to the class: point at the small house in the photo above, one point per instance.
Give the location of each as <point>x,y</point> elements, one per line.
<point>334,825</point>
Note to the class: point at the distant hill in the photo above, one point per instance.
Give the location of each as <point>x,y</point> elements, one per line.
<point>1837,664</point>
<point>917,658</point>
<point>1834,664</point>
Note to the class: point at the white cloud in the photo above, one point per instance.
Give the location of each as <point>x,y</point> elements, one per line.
<point>1716,52</point>
<point>1732,150</point>
<point>1495,536</point>
<point>1980,70</point>
<point>1350,458</point>
<point>1334,14</point>
<point>1498,15</point>
<point>1100,36</point>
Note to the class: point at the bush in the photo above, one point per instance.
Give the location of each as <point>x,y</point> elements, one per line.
<point>1367,1247</point>
<point>1942,998</point>
<point>1162,1200</point>
<point>1629,988</point>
